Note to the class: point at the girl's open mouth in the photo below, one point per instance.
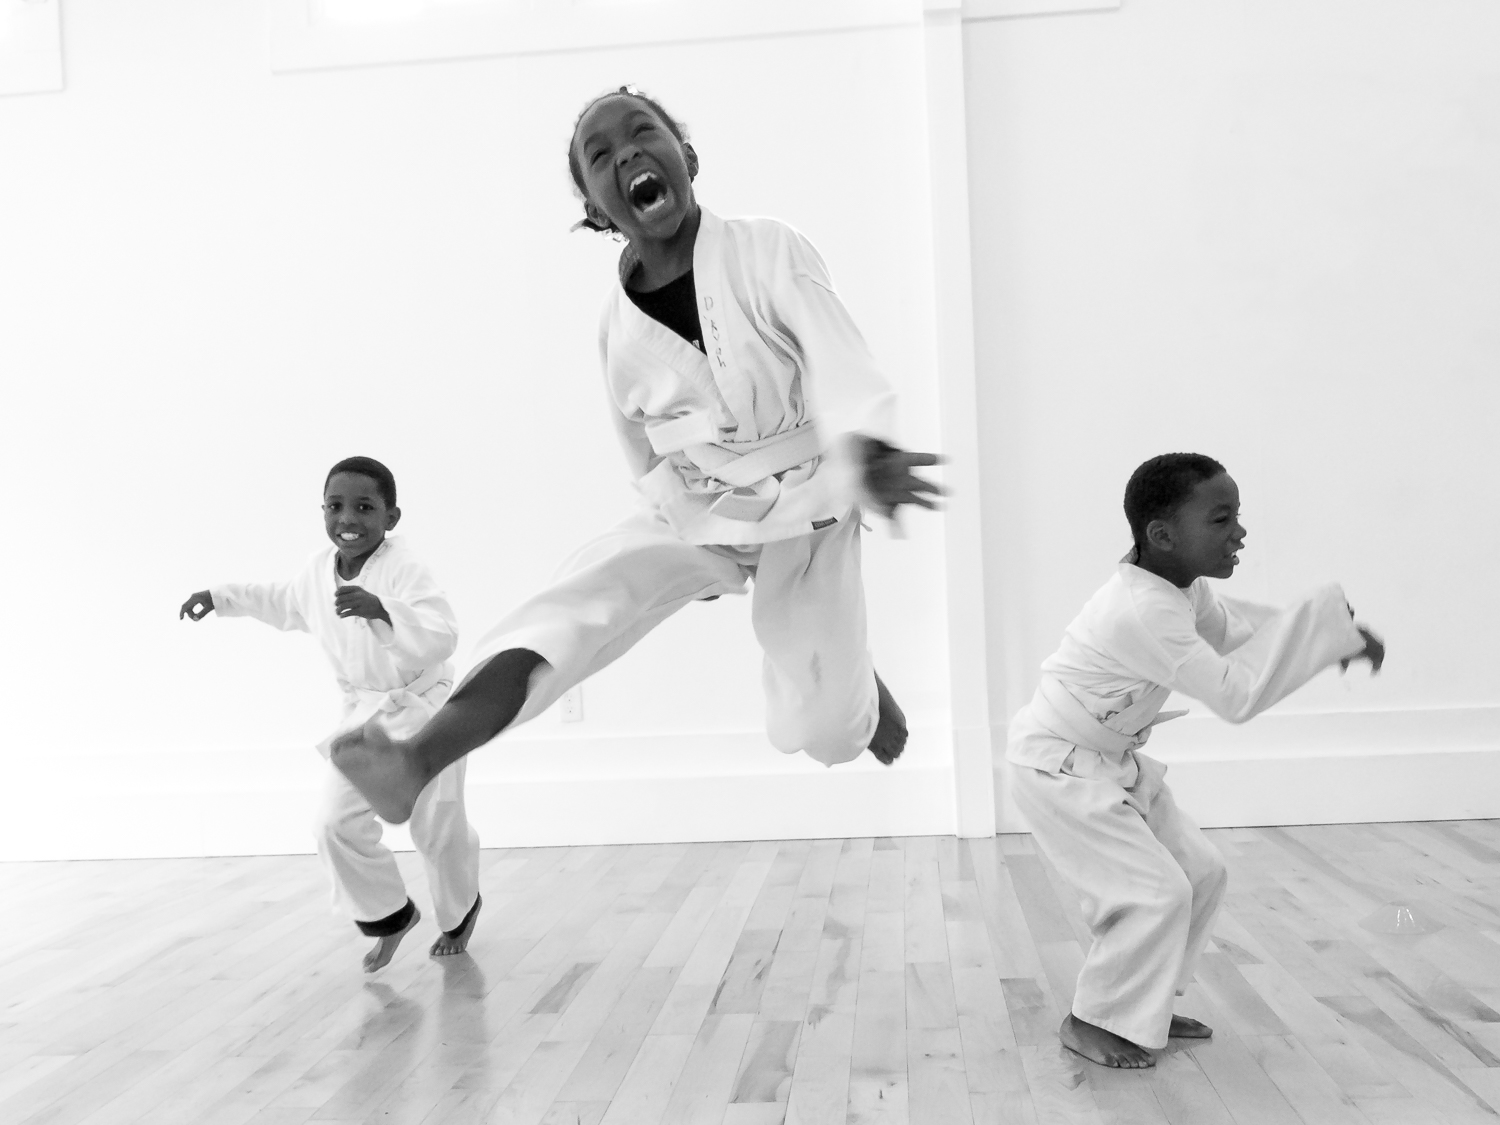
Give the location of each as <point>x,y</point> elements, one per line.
<point>647,193</point>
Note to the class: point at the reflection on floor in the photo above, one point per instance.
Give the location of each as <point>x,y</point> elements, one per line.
<point>828,981</point>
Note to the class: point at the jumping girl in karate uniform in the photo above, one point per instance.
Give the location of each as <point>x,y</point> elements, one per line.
<point>757,427</point>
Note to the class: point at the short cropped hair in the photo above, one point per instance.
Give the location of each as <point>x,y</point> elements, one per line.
<point>1162,485</point>
<point>385,480</point>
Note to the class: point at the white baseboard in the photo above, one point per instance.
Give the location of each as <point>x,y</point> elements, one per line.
<point>1337,768</point>
<point>537,792</point>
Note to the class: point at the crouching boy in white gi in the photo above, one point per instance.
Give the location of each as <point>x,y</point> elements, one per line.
<point>1150,881</point>
<point>388,630</point>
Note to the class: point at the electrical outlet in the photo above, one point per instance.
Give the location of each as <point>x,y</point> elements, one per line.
<point>570,706</point>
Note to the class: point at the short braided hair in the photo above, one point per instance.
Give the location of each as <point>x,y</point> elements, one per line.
<point>675,127</point>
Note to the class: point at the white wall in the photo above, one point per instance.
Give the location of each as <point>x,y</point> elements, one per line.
<point>1268,232</point>
<point>215,281</point>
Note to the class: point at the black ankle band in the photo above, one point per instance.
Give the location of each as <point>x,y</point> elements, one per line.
<point>469,917</point>
<point>390,924</point>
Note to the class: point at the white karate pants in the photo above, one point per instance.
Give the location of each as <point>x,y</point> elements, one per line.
<point>1150,881</point>
<point>808,613</point>
<point>367,884</point>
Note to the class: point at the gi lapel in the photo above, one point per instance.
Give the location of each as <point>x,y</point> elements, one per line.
<point>722,314</point>
<point>664,345</point>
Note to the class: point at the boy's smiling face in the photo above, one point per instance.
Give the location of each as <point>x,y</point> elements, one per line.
<point>1202,538</point>
<point>636,173</point>
<point>355,515</point>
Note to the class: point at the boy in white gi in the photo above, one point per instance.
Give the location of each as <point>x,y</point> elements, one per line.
<point>1150,881</point>
<point>388,631</point>
<point>756,425</point>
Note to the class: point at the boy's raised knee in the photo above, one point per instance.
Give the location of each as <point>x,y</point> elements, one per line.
<point>1174,897</point>
<point>1214,876</point>
<point>334,824</point>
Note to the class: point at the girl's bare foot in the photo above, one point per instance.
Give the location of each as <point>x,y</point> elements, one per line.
<point>382,769</point>
<point>1184,1028</point>
<point>1103,1047</point>
<point>385,947</point>
<point>890,731</point>
<point>456,941</point>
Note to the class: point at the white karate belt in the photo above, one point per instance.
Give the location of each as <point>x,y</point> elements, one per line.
<point>1060,712</point>
<point>373,701</point>
<point>745,470</point>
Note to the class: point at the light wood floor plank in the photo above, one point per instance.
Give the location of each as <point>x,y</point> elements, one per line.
<point>878,1074</point>
<point>939,1087</point>
<point>702,1090</point>
<point>767,1063</point>
<point>820,1082</point>
<point>647,1089</point>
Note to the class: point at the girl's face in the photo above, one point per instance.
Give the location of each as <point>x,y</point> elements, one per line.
<point>636,173</point>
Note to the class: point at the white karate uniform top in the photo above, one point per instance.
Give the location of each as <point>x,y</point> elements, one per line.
<point>741,464</point>
<point>1140,638</point>
<point>786,376</point>
<point>401,673</point>
<point>390,669</point>
<point>1149,880</point>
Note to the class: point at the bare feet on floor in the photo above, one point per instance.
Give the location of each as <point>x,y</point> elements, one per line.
<point>448,944</point>
<point>382,769</point>
<point>890,731</point>
<point>385,947</point>
<point>1184,1028</point>
<point>1103,1047</point>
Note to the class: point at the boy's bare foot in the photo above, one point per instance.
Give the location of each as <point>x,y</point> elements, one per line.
<point>1184,1028</point>
<point>456,941</point>
<point>382,769</point>
<point>385,947</point>
<point>1103,1047</point>
<point>890,731</point>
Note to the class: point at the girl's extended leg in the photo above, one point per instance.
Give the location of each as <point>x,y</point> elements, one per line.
<point>607,597</point>
<point>391,774</point>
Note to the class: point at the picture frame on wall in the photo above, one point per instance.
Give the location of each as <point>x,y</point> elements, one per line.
<point>30,47</point>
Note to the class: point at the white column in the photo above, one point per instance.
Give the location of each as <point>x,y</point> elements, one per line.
<point>973,757</point>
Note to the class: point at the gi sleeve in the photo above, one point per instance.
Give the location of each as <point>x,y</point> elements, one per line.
<point>845,391</point>
<point>423,629</point>
<point>1227,623</point>
<point>275,603</point>
<point>1286,651</point>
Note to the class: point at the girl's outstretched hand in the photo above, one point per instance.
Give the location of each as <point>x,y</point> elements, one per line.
<point>889,480</point>
<point>1374,651</point>
<point>197,607</point>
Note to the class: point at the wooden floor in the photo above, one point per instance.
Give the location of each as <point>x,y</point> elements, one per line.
<point>831,981</point>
